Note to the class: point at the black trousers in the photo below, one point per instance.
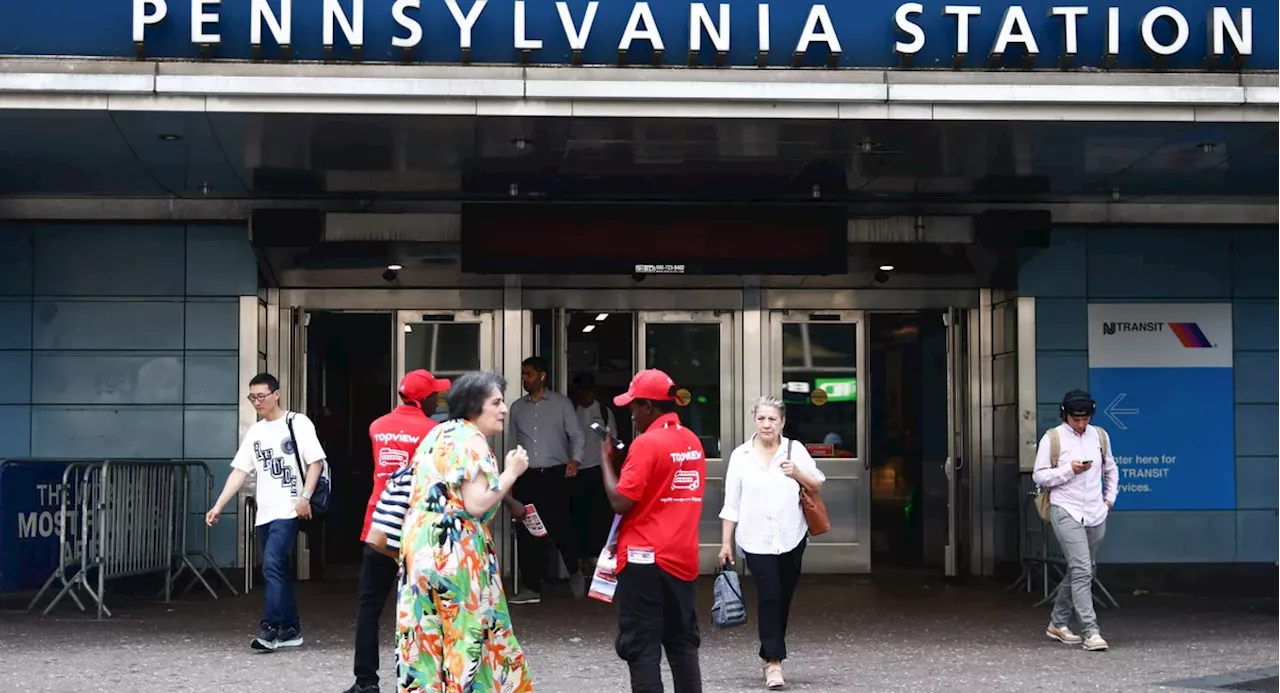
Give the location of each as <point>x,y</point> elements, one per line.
<point>378,575</point>
<point>590,511</point>
<point>656,612</point>
<point>776,578</point>
<point>548,490</point>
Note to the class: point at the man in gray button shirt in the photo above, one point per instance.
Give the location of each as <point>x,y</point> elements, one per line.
<point>546,424</point>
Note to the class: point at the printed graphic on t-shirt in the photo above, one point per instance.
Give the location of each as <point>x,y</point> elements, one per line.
<point>277,467</point>
<point>686,480</point>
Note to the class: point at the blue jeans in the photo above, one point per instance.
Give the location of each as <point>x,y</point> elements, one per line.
<point>277,539</point>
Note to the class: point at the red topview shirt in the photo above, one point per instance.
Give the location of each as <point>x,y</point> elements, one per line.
<point>664,474</point>
<point>395,439</point>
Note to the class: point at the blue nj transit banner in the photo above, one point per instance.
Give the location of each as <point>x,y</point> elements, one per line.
<point>1162,377</point>
<point>978,34</point>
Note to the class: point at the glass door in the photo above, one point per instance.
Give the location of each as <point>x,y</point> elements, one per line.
<point>446,343</point>
<point>816,362</point>
<point>696,349</point>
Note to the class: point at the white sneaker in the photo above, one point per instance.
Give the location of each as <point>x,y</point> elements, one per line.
<point>1095,643</point>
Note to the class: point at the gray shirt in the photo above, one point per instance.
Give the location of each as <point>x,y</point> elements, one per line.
<point>548,429</point>
<point>596,413</point>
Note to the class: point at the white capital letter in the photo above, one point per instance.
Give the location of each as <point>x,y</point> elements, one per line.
<point>641,14</point>
<point>1113,31</point>
<point>827,34</point>
<point>281,29</point>
<point>465,23</point>
<point>577,37</point>
<point>1070,38</point>
<point>962,14</point>
<point>1241,35</point>
<point>199,18</point>
<point>699,20</point>
<point>763,21</point>
<point>1015,28</point>
<point>352,28</point>
<point>522,43</point>
<point>902,19</point>
<point>141,19</point>
<point>404,20</point>
<point>1180,30</point>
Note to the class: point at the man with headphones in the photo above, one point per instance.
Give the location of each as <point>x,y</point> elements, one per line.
<point>1074,465</point>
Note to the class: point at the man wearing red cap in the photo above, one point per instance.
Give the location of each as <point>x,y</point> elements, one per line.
<point>659,496</point>
<point>395,439</point>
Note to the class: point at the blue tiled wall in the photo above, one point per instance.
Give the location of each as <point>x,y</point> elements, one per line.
<point>121,341</point>
<point>1084,265</point>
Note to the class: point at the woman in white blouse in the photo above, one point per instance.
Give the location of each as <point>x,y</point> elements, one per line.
<point>762,511</point>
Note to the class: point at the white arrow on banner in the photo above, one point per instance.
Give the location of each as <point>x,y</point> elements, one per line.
<point>1114,413</point>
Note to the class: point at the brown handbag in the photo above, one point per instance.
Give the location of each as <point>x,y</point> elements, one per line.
<point>815,511</point>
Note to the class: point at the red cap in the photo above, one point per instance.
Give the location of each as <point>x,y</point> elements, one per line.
<point>651,384</point>
<point>419,385</point>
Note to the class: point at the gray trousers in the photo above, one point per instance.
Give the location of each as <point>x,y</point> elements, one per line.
<point>1080,548</point>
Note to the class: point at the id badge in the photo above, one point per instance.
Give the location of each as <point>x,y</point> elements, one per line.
<point>640,555</point>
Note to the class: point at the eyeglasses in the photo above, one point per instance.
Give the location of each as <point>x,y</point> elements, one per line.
<point>259,398</point>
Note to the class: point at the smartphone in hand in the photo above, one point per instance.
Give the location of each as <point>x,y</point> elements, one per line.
<point>605,435</point>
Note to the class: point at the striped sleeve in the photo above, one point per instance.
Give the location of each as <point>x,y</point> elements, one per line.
<point>388,514</point>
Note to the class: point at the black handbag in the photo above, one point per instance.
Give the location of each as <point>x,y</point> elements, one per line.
<point>321,496</point>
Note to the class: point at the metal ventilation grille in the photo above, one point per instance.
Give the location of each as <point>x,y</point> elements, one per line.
<point>405,228</point>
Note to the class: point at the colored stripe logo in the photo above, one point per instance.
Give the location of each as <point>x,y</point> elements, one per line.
<point>1190,334</point>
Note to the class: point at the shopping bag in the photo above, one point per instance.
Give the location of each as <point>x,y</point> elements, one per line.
<point>728,608</point>
<point>604,581</point>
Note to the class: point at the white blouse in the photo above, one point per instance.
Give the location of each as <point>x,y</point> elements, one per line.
<point>765,502</point>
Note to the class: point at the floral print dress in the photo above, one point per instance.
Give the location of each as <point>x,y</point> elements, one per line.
<point>453,628</point>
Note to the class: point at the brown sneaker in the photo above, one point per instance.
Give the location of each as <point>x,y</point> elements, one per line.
<point>773,676</point>
<point>1063,635</point>
<point>1095,643</point>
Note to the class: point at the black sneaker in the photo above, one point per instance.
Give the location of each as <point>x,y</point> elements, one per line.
<point>268,639</point>
<point>289,637</point>
<point>365,688</point>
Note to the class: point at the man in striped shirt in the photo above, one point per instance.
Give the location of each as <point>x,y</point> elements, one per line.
<point>395,439</point>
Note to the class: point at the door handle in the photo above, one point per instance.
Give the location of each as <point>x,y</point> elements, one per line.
<point>948,468</point>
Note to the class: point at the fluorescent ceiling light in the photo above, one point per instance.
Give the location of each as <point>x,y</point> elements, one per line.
<point>886,268</point>
<point>589,328</point>
<point>601,317</point>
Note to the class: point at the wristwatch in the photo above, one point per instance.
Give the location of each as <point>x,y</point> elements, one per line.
<point>307,495</point>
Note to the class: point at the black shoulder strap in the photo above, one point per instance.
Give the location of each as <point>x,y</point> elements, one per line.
<point>297,448</point>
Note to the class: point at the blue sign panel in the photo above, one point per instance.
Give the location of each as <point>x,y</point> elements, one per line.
<point>1162,377</point>
<point>1183,34</point>
<point>30,508</point>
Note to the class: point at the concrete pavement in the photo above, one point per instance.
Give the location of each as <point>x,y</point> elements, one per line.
<point>847,634</point>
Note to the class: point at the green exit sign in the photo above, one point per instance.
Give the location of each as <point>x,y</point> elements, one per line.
<point>838,389</point>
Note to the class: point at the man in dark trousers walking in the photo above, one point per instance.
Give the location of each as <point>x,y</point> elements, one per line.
<point>395,438</point>
<point>659,495</point>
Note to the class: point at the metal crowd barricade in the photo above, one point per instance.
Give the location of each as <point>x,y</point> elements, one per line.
<point>1041,556</point>
<point>132,520</point>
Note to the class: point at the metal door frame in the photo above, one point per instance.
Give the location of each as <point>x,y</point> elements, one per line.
<point>857,554</point>
<point>482,317</point>
<point>957,321</point>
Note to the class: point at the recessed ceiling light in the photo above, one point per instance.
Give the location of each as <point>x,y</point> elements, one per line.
<point>394,267</point>
<point>170,137</point>
<point>886,268</point>
<point>601,317</point>
<point>589,328</point>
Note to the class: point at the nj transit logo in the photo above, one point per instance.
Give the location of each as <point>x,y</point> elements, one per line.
<point>1189,333</point>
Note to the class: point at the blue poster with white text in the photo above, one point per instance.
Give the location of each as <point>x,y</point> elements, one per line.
<point>1162,378</point>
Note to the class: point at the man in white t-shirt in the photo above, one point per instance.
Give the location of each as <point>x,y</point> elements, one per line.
<point>283,498</point>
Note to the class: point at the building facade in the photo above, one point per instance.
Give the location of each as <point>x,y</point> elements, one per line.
<point>919,224</point>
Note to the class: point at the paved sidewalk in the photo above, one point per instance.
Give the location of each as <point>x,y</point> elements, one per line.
<point>847,634</point>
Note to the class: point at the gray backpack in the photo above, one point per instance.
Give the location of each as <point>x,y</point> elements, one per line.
<point>727,608</point>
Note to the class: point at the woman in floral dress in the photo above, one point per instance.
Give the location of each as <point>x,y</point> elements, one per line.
<point>453,629</point>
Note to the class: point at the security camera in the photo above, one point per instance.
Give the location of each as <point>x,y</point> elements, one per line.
<point>881,276</point>
<point>637,277</point>
<point>390,275</point>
